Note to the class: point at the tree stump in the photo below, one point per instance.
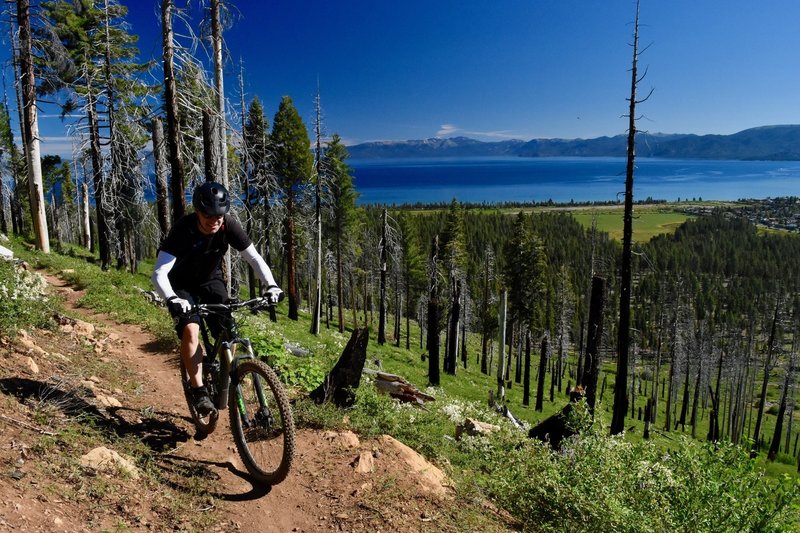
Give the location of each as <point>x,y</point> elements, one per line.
<point>345,376</point>
<point>554,429</point>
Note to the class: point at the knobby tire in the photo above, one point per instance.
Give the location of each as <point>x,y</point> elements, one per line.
<point>265,440</point>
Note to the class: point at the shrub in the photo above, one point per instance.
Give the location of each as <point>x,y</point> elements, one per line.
<point>23,302</point>
<point>602,483</point>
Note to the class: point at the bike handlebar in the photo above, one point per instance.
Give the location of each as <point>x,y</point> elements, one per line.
<point>255,305</point>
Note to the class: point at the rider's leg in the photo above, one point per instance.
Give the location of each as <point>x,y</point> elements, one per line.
<point>191,354</point>
<point>192,357</point>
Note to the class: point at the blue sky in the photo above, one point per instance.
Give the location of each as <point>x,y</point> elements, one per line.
<point>507,69</point>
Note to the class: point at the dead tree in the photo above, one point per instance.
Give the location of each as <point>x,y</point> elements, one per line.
<point>222,136</point>
<point>526,382</point>
<point>317,303</point>
<point>488,273</point>
<point>433,316</point>
<point>171,108</point>
<point>769,363</point>
<point>30,130</point>
<point>623,342</point>
<point>501,347</point>
<point>344,378</point>
<point>542,369</point>
<point>383,259</point>
<point>787,385</point>
<point>87,224</point>
<point>162,199</point>
<point>713,422</point>
<point>453,327</point>
<point>591,367</point>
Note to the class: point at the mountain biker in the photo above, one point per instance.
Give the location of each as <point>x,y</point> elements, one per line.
<point>188,271</point>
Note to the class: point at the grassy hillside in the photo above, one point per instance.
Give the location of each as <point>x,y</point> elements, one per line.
<point>602,483</point>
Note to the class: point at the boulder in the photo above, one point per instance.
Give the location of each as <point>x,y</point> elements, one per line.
<point>365,463</point>
<point>109,461</point>
<point>431,478</point>
<point>474,427</point>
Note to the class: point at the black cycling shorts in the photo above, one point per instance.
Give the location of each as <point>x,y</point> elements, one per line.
<point>211,292</point>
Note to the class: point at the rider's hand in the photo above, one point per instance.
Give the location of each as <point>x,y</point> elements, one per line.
<point>178,306</point>
<point>274,294</point>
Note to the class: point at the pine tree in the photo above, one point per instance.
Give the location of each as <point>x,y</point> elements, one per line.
<point>524,275</point>
<point>413,268</point>
<point>344,217</point>
<point>293,167</point>
<point>455,261</point>
<point>90,63</point>
<point>257,185</point>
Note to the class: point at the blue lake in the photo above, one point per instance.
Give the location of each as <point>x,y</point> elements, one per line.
<point>502,179</point>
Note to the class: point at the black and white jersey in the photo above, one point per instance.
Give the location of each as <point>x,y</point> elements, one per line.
<point>199,256</point>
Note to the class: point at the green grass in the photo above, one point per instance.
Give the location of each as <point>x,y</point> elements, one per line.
<point>647,223</point>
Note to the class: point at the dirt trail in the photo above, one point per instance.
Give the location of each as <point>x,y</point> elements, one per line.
<point>324,490</point>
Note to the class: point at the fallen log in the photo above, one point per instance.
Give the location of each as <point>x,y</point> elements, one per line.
<point>397,387</point>
<point>503,410</point>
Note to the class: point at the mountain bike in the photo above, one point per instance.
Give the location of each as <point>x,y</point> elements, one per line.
<point>260,415</point>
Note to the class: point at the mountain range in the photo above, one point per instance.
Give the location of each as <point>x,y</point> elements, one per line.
<point>775,143</point>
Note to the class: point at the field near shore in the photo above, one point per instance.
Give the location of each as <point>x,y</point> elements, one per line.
<point>647,223</point>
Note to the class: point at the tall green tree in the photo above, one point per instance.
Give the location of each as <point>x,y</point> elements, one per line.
<point>344,217</point>
<point>293,167</point>
<point>16,165</point>
<point>524,275</point>
<point>413,267</point>
<point>91,63</point>
<point>256,183</point>
<point>455,262</point>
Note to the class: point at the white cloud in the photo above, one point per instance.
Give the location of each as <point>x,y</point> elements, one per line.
<point>446,130</point>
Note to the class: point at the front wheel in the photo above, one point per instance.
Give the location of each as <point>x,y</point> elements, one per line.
<point>261,422</point>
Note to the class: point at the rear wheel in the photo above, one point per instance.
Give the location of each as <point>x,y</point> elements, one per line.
<point>205,424</point>
<point>261,422</point>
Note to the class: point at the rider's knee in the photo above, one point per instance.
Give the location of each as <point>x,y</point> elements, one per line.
<point>191,333</point>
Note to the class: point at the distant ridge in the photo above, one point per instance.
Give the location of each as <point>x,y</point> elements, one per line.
<point>768,143</point>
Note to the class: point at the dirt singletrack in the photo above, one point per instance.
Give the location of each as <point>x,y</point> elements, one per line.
<point>338,482</point>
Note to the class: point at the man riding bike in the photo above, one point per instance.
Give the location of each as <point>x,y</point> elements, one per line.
<point>188,271</point>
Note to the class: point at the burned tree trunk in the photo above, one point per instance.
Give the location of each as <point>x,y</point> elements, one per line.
<point>526,384</point>
<point>713,423</point>
<point>776,436</point>
<point>623,342</point>
<point>555,429</point>
<point>340,383</point>
<point>542,368</point>
<point>591,365</point>
<point>453,328</point>
<point>765,382</point>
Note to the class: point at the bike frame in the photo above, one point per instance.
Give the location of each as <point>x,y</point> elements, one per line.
<point>225,350</point>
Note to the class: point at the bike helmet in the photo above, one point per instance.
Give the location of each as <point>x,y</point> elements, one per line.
<point>211,199</point>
